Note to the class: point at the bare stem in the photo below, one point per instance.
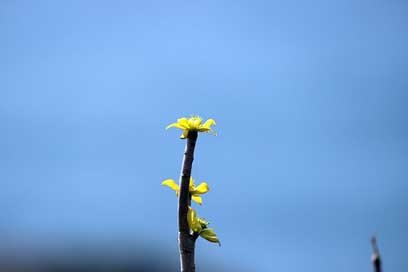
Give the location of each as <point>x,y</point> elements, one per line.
<point>186,240</point>
<point>375,258</point>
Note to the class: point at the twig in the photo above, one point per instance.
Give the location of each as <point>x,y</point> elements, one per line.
<point>186,240</point>
<point>375,258</point>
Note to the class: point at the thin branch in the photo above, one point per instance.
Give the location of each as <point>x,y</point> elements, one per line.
<point>375,258</point>
<point>186,240</point>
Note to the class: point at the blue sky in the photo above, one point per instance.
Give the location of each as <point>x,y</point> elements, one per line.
<point>310,99</point>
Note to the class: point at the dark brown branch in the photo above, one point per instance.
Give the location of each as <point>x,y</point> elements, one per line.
<point>186,240</point>
<point>375,258</point>
<point>195,236</point>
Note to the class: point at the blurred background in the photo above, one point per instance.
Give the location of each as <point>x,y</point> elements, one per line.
<point>310,99</point>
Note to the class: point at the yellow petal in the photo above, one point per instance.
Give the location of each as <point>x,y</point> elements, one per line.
<point>213,239</point>
<point>183,122</point>
<point>206,127</point>
<point>209,123</point>
<point>194,122</point>
<point>190,217</point>
<point>172,184</point>
<point>201,129</point>
<point>197,199</point>
<point>185,134</point>
<point>191,184</point>
<point>208,232</point>
<point>209,235</point>
<point>192,220</point>
<point>177,125</point>
<point>201,189</point>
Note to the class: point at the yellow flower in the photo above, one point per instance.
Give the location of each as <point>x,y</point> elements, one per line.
<point>193,124</point>
<point>194,191</point>
<point>199,226</point>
